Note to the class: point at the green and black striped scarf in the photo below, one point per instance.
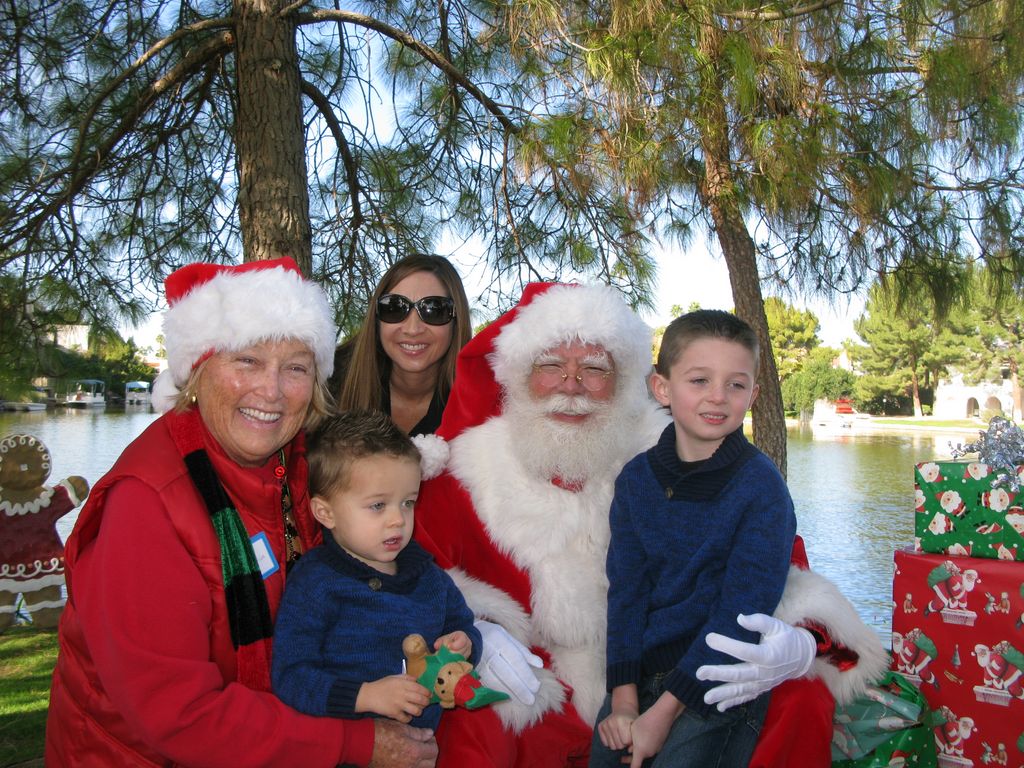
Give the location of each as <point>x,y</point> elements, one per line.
<point>248,610</point>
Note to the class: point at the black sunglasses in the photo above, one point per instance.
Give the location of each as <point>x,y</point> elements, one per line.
<point>433,310</point>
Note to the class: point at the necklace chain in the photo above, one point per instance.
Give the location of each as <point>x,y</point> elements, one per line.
<point>293,544</point>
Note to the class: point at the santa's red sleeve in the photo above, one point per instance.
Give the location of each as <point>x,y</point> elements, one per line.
<point>448,527</point>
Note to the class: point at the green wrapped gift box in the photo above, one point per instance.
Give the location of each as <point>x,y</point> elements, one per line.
<point>959,512</point>
<point>889,727</point>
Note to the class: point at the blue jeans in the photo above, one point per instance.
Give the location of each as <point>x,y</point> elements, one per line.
<point>721,740</point>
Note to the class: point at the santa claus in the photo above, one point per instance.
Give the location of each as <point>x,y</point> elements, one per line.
<point>1004,667</point>
<point>951,503</point>
<point>998,499</point>
<point>951,585</point>
<point>519,516</point>
<point>914,652</point>
<point>952,731</point>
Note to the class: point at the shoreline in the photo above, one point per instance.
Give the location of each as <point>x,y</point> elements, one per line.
<point>863,424</point>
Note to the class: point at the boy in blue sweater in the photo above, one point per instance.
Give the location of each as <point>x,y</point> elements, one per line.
<point>350,602</point>
<point>702,528</point>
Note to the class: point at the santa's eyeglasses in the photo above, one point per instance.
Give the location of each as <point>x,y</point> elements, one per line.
<point>591,378</point>
<point>433,310</point>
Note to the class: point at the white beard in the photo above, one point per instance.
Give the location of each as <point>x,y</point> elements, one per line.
<point>559,538</point>
<point>571,452</point>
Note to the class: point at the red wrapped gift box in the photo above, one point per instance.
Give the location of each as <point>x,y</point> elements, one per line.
<point>958,634</point>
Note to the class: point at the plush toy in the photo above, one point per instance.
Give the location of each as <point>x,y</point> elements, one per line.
<point>451,679</point>
<point>31,552</point>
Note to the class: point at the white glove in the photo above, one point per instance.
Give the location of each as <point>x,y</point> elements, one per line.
<point>785,652</point>
<point>506,664</point>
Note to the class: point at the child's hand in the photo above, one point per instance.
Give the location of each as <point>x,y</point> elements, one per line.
<point>650,730</point>
<point>399,697</point>
<point>457,642</point>
<point>615,730</point>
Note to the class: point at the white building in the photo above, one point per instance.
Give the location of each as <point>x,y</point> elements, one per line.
<point>73,337</point>
<point>956,400</point>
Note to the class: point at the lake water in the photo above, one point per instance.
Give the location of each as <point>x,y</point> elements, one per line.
<point>853,491</point>
<point>854,504</point>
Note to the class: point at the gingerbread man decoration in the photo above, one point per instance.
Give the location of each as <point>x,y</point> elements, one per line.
<point>31,552</point>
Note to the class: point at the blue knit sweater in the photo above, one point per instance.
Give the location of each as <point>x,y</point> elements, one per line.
<point>341,623</point>
<point>692,546</point>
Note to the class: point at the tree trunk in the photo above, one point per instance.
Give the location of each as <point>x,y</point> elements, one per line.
<point>738,249</point>
<point>1018,402</point>
<point>273,199</point>
<point>915,391</point>
<point>718,194</point>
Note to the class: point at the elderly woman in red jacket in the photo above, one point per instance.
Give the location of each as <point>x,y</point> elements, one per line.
<point>177,563</point>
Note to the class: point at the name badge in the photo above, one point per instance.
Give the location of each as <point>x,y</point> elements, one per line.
<point>264,555</point>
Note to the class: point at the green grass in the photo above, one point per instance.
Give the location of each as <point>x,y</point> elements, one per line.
<point>935,423</point>
<point>27,656</point>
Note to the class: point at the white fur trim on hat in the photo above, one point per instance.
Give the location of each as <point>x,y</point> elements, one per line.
<point>164,394</point>
<point>238,307</point>
<point>434,453</point>
<point>594,314</point>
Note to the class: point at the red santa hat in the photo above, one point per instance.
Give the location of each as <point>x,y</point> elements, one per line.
<point>214,307</point>
<point>547,315</point>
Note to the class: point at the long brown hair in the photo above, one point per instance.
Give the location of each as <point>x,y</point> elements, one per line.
<point>367,363</point>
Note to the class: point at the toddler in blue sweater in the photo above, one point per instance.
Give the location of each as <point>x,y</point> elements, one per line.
<point>702,529</point>
<point>350,602</point>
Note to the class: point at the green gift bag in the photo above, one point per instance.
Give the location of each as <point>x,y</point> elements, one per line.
<point>889,727</point>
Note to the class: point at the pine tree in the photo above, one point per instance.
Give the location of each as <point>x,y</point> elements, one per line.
<point>136,137</point>
<point>907,346</point>
<point>822,144</point>
<point>794,335</point>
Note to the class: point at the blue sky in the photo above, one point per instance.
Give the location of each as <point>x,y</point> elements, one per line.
<point>677,286</point>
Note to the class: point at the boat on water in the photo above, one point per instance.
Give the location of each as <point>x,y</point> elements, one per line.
<point>837,416</point>
<point>87,393</point>
<point>11,405</point>
<point>136,393</point>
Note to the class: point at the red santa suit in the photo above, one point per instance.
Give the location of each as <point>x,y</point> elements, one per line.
<point>528,551</point>
<point>951,585</point>
<point>952,732</point>
<point>1004,668</point>
<point>914,652</point>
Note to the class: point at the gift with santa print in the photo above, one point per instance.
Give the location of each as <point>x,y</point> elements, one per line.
<point>958,636</point>
<point>974,508</point>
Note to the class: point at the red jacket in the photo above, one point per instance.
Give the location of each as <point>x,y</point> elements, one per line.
<point>146,670</point>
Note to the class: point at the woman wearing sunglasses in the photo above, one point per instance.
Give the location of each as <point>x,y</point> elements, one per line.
<point>402,361</point>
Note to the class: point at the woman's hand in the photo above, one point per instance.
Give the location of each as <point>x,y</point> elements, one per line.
<point>399,697</point>
<point>456,642</point>
<point>402,746</point>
